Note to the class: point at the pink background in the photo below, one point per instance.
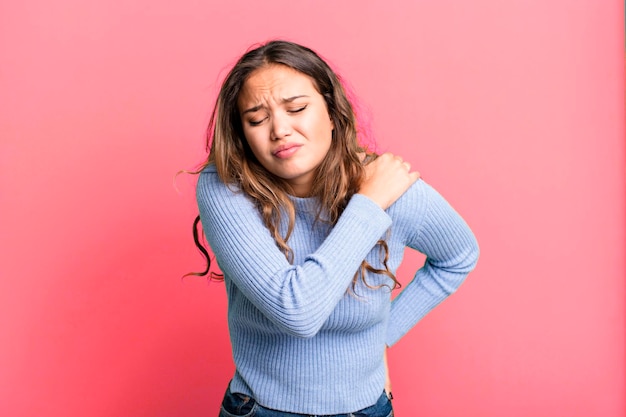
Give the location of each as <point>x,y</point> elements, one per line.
<point>513,110</point>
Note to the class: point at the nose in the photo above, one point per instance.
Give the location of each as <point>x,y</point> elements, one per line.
<point>281,126</point>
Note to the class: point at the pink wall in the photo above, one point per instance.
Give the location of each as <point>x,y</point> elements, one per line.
<point>513,110</point>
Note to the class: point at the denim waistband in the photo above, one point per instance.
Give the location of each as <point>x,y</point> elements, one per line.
<point>239,405</point>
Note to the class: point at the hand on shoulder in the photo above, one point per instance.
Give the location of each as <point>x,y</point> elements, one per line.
<point>386,179</point>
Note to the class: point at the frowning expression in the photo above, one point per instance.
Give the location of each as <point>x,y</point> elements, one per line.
<point>286,124</point>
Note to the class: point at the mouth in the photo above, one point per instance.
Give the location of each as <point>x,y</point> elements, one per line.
<point>287,150</point>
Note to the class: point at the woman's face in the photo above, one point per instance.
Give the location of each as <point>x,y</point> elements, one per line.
<point>286,123</point>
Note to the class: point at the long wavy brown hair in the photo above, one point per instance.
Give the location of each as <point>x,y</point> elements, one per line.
<point>338,177</point>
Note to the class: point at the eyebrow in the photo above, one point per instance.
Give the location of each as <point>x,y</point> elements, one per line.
<point>285,100</point>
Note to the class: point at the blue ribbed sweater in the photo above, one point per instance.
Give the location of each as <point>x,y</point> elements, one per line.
<point>301,341</point>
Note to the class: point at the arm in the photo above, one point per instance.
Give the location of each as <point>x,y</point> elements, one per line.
<point>451,252</point>
<point>297,298</point>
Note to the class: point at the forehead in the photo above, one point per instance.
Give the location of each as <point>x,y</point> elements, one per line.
<point>275,82</point>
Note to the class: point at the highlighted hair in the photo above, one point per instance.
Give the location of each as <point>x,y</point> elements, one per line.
<point>338,177</point>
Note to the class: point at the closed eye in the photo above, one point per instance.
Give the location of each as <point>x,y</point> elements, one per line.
<point>256,122</point>
<point>298,110</point>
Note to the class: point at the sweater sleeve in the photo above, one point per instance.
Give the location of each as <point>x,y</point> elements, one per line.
<point>297,298</point>
<point>434,228</point>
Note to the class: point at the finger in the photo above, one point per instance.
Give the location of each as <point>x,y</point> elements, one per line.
<point>415,175</point>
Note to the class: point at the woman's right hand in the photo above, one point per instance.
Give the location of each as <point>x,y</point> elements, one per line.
<point>386,179</point>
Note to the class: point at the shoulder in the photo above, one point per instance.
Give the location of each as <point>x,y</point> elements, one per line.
<point>420,206</point>
<point>208,174</point>
<point>213,193</point>
<point>415,199</point>
<point>210,181</point>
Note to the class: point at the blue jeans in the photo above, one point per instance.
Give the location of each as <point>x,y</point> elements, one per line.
<point>239,405</point>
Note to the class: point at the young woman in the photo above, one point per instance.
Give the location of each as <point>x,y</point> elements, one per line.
<point>308,229</point>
